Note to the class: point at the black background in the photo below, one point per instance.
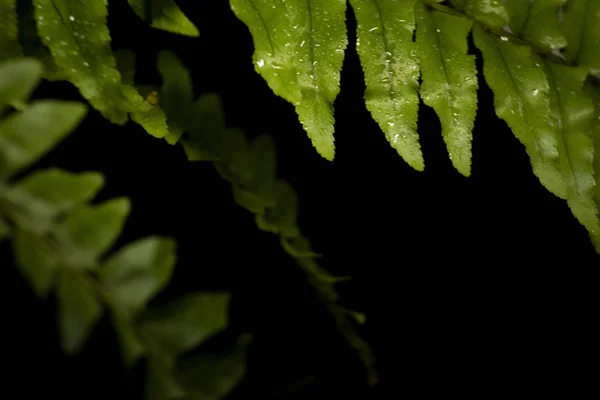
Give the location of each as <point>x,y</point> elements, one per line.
<point>472,286</point>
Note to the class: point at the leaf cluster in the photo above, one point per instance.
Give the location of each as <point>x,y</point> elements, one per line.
<point>62,245</point>
<point>540,58</point>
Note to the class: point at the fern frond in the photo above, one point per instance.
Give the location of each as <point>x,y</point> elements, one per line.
<point>165,15</point>
<point>449,79</point>
<point>299,50</point>
<point>250,167</point>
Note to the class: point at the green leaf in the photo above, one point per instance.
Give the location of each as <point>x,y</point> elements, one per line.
<point>90,231</point>
<point>489,12</point>
<point>572,114</point>
<point>176,94</point>
<point>36,260</point>
<point>5,230</point>
<point>79,311</point>
<point>79,40</point>
<point>161,383</point>
<point>61,189</point>
<point>126,65</point>
<point>165,15</point>
<point>281,218</point>
<point>189,321</point>
<point>31,42</point>
<point>537,22</point>
<point>18,78</point>
<point>131,347</point>
<point>134,274</point>
<point>213,376</point>
<point>265,169</point>
<point>299,50</point>
<point>593,91</point>
<point>389,60</point>
<point>207,133</point>
<point>449,79</point>
<point>26,136</point>
<point>580,23</point>
<point>521,98</point>
<point>43,195</point>
<point>9,31</point>
<point>237,166</point>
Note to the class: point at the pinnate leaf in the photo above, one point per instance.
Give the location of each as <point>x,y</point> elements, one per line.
<point>18,78</point>
<point>165,15</point>
<point>90,231</point>
<point>572,114</point>
<point>26,136</point>
<point>36,260</point>
<point>134,274</point>
<point>79,311</point>
<point>189,321</point>
<point>299,49</point>
<point>490,12</point>
<point>449,79</point>
<point>9,30</point>
<point>521,98</point>
<point>389,60</point>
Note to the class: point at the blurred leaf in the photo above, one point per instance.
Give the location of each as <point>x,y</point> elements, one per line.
<point>134,274</point>
<point>213,376</point>
<point>189,321</point>
<point>43,195</point>
<point>90,231</point>
<point>131,348</point>
<point>176,94</point>
<point>5,230</point>
<point>161,383</point>
<point>281,218</point>
<point>36,260</point>
<point>79,311</point>
<point>26,136</point>
<point>165,15</point>
<point>18,78</point>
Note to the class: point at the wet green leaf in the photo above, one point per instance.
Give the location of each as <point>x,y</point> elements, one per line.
<point>9,30</point>
<point>593,92</point>
<point>79,311</point>
<point>580,23</point>
<point>18,78</point>
<point>36,260</point>
<point>31,42</point>
<point>299,50</point>
<point>186,323</point>
<point>521,98</point>
<point>136,273</point>
<point>490,12</point>
<point>79,40</point>
<point>389,60</point>
<point>165,15</point>
<point>449,79</point>
<point>537,22</point>
<point>90,231</point>
<point>26,136</point>
<point>572,114</point>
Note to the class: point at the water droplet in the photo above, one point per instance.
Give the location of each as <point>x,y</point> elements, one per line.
<point>86,63</point>
<point>372,29</point>
<point>504,38</point>
<point>260,63</point>
<point>72,18</point>
<point>534,92</point>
